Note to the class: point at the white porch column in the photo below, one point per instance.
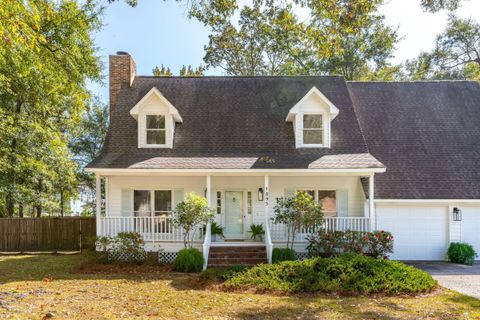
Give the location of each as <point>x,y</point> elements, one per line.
<point>266,195</point>
<point>209,191</point>
<point>371,203</point>
<point>98,200</point>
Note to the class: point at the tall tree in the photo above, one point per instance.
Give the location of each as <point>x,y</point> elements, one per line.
<point>185,71</point>
<point>456,54</point>
<point>46,57</point>
<point>437,5</point>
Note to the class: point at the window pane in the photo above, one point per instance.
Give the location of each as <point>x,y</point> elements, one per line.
<point>312,136</point>
<point>313,121</point>
<point>155,137</point>
<point>141,203</point>
<point>328,201</point>
<point>155,122</point>
<point>163,200</point>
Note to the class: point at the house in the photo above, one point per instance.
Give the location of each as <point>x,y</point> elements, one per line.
<point>398,156</point>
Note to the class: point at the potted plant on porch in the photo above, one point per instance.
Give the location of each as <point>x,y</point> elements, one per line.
<point>216,230</point>
<point>257,231</point>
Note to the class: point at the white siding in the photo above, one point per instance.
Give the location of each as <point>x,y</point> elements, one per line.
<point>278,185</point>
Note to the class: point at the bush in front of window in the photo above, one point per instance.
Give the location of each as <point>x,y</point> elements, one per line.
<point>297,213</point>
<point>462,253</point>
<point>188,260</point>
<point>283,254</point>
<point>377,244</point>
<point>190,214</point>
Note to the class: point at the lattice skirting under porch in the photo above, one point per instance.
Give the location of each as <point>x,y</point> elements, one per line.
<point>302,255</point>
<point>166,257</point>
<point>126,256</point>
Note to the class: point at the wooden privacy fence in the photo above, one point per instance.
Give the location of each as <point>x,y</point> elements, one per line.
<point>46,234</point>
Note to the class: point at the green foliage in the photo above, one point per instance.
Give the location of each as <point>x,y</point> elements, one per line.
<point>456,54</point>
<point>437,5</point>
<point>347,274</point>
<point>125,247</point>
<point>297,212</point>
<point>377,244</point>
<point>163,71</point>
<point>283,254</point>
<point>188,260</point>
<point>46,58</point>
<point>461,253</point>
<point>222,274</point>
<point>216,229</point>
<point>257,231</point>
<point>190,214</point>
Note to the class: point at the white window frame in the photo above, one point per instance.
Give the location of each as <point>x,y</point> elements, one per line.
<point>317,195</point>
<point>152,200</point>
<point>323,129</point>
<point>146,129</point>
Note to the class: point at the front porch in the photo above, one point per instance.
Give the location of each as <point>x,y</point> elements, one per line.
<point>145,204</point>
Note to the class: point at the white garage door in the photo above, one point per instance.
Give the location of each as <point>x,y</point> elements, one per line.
<point>471,227</point>
<point>420,232</point>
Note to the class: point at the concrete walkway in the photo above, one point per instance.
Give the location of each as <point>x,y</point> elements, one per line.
<point>461,278</point>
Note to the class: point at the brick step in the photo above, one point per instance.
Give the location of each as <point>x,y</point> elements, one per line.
<point>237,254</point>
<point>238,249</point>
<point>230,262</point>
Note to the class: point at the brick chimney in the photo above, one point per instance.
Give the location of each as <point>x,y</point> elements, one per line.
<point>122,69</point>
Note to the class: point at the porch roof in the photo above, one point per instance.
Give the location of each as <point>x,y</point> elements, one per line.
<point>343,161</point>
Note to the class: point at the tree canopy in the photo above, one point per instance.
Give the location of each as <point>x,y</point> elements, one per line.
<point>46,57</point>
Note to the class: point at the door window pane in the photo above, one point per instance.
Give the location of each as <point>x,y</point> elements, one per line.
<point>328,201</point>
<point>163,202</point>
<point>141,203</point>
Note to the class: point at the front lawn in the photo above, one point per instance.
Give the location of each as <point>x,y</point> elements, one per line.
<point>33,286</point>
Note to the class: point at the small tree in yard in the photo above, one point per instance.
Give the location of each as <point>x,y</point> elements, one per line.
<point>191,213</point>
<point>297,212</point>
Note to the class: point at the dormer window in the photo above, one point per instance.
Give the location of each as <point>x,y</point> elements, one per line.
<point>155,129</point>
<point>312,129</point>
<point>156,118</point>
<point>311,118</point>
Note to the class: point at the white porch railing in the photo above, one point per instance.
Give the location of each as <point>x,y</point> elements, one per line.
<point>156,229</point>
<point>279,231</point>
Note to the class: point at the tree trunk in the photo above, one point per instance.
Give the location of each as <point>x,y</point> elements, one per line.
<point>61,203</point>
<point>39,210</point>
<point>10,206</point>
<point>20,210</point>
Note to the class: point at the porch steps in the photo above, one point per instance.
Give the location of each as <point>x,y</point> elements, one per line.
<point>225,256</point>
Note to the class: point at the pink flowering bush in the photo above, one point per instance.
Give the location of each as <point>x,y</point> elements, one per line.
<point>377,244</point>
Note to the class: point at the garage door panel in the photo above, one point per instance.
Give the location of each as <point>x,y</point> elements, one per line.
<point>420,233</point>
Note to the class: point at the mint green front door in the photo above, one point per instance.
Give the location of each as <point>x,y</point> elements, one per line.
<point>234,215</point>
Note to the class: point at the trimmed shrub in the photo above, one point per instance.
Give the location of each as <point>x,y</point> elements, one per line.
<point>377,244</point>
<point>461,253</point>
<point>188,260</point>
<point>283,254</point>
<point>347,274</point>
<point>222,274</point>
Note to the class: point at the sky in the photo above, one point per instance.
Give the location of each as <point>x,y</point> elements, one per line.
<point>159,32</point>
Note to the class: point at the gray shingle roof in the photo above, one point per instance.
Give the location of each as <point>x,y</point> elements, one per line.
<point>235,122</point>
<point>426,133</point>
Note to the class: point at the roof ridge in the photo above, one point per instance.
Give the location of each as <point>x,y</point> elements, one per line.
<point>238,77</point>
<point>413,81</point>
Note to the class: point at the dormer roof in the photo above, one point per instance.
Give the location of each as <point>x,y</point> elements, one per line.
<point>155,93</point>
<point>322,103</point>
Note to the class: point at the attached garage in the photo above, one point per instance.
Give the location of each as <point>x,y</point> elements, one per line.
<point>470,231</point>
<point>420,232</point>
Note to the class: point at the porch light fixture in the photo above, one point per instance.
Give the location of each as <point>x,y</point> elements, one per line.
<point>457,214</point>
<point>260,194</point>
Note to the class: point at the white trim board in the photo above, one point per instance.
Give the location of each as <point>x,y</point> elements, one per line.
<point>426,201</point>
<point>227,172</point>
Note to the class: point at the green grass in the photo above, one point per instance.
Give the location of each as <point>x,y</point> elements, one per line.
<point>31,286</point>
